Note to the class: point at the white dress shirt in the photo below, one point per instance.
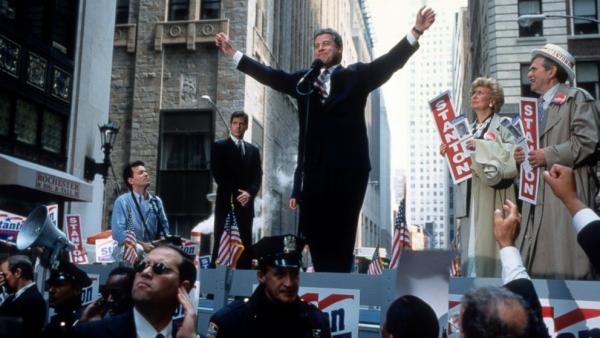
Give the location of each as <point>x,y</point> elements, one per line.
<point>144,329</point>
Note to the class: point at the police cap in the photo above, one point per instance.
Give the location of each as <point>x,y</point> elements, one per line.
<point>69,273</point>
<point>279,251</point>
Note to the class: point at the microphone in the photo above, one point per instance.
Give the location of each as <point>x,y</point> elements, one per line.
<point>315,68</point>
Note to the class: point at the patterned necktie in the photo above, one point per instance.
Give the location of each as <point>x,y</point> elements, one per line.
<point>321,85</point>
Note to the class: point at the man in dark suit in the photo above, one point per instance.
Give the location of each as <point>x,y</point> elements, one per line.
<point>26,302</point>
<point>162,281</point>
<point>586,222</point>
<point>236,167</point>
<point>333,146</point>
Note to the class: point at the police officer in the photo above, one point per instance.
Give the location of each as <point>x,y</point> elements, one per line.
<point>274,309</point>
<point>64,290</point>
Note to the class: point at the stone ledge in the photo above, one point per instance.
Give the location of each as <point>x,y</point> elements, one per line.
<point>125,36</point>
<point>188,32</point>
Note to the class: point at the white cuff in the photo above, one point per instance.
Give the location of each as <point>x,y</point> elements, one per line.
<point>412,39</point>
<point>584,217</point>
<point>237,57</point>
<point>512,265</point>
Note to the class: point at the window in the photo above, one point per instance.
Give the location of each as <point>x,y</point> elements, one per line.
<point>179,10</point>
<point>530,7</point>
<point>122,12</point>
<point>183,173</point>
<point>588,77</point>
<point>525,84</point>
<point>8,9</point>
<point>210,9</point>
<point>588,9</point>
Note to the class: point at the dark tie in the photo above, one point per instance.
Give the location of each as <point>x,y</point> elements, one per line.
<point>241,148</point>
<point>160,335</point>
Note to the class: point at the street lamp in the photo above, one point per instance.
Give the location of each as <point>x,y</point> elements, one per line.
<point>527,20</point>
<point>108,136</point>
<point>210,101</point>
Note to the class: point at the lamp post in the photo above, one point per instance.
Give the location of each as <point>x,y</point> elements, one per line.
<point>108,136</point>
<point>527,20</point>
<point>210,101</point>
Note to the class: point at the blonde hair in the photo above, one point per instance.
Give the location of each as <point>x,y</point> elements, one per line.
<point>496,91</point>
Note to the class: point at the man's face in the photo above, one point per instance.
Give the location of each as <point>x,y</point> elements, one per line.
<point>541,79</point>
<point>326,50</point>
<point>281,284</point>
<point>62,294</point>
<point>140,178</point>
<point>10,280</point>
<point>238,127</point>
<point>154,288</point>
<point>118,295</point>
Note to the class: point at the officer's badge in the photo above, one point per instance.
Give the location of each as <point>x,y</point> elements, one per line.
<point>212,331</point>
<point>316,333</point>
<point>289,244</point>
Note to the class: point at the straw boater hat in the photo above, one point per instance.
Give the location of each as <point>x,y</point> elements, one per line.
<point>557,54</point>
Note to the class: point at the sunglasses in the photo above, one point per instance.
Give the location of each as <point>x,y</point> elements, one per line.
<point>157,268</point>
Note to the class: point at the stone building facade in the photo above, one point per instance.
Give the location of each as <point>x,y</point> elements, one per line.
<point>165,64</point>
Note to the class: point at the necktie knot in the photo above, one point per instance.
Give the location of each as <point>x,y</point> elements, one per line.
<point>160,335</point>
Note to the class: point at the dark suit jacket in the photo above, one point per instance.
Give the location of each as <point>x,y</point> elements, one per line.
<point>589,238</point>
<point>122,326</point>
<point>337,133</point>
<point>30,306</point>
<point>231,173</point>
<point>524,288</point>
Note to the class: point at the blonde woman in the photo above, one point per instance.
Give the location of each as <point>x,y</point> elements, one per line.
<point>494,168</point>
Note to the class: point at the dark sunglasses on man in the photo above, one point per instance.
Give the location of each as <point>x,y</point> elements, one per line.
<point>157,268</point>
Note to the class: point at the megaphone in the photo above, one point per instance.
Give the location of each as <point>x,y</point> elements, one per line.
<point>38,230</point>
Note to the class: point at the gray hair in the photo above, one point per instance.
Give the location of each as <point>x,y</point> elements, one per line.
<point>337,38</point>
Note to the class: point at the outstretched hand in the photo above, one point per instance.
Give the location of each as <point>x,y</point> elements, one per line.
<point>425,18</point>
<point>506,228</point>
<point>222,42</point>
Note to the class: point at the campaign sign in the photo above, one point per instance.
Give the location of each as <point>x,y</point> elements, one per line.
<point>341,305</point>
<point>91,293</point>
<point>204,262</point>
<point>529,180</point>
<point>53,213</point>
<point>459,161</point>
<point>104,250</point>
<point>77,255</point>
<point>10,224</point>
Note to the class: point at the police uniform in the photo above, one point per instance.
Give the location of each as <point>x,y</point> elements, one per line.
<point>66,317</point>
<point>258,316</point>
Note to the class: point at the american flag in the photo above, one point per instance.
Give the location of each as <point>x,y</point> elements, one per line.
<point>129,251</point>
<point>230,246</point>
<point>401,235</point>
<point>376,266</point>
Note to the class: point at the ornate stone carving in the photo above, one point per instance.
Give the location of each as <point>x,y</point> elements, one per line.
<point>61,84</point>
<point>36,71</point>
<point>188,95</point>
<point>9,56</point>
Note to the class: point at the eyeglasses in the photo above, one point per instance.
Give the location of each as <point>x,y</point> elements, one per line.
<point>157,268</point>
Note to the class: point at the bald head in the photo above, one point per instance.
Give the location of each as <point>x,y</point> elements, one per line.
<point>495,312</point>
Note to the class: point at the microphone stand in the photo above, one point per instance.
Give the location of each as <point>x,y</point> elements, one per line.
<point>302,157</point>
